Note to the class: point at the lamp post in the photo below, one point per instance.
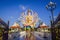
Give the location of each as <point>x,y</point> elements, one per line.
<point>51,6</point>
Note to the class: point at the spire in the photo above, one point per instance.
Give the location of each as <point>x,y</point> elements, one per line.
<point>15,24</point>
<point>43,24</point>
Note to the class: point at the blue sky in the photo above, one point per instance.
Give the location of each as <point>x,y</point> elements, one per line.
<point>11,9</point>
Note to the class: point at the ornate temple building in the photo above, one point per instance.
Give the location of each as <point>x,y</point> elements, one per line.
<point>15,27</point>
<point>43,28</point>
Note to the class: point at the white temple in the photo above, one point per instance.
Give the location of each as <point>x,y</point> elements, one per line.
<point>15,27</point>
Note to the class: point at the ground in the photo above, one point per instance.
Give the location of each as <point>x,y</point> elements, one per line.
<point>33,36</point>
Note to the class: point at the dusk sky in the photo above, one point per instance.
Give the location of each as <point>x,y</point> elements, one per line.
<point>12,9</point>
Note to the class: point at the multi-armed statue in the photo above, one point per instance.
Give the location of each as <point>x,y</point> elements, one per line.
<point>29,18</point>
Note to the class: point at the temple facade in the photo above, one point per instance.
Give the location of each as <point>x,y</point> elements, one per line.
<point>43,28</point>
<point>15,27</point>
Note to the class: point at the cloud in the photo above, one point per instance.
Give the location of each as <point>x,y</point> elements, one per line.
<point>22,7</point>
<point>11,17</point>
<point>55,17</point>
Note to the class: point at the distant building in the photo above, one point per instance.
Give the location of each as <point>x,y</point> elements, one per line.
<point>43,28</point>
<point>15,27</point>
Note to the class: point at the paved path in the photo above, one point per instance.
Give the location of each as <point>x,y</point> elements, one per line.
<point>34,36</point>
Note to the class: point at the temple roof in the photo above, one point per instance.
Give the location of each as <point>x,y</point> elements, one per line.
<point>15,25</point>
<point>43,26</point>
<point>3,23</point>
<point>57,19</point>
